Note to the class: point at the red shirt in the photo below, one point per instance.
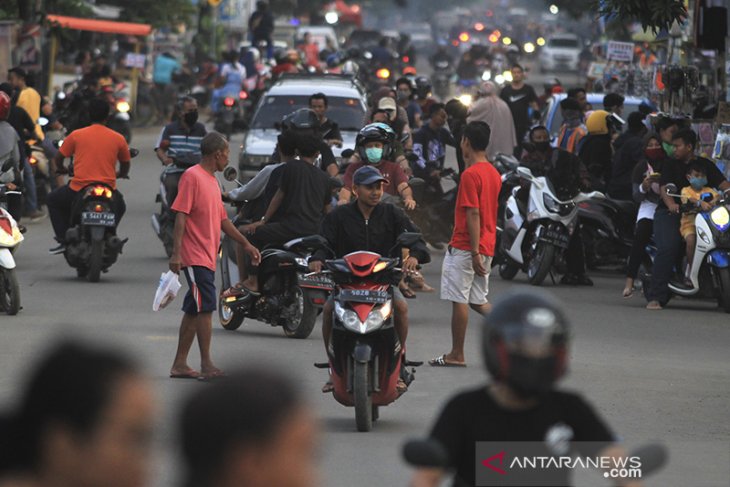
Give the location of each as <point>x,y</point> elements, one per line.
<point>199,197</point>
<point>478,188</point>
<point>96,150</point>
<point>390,171</point>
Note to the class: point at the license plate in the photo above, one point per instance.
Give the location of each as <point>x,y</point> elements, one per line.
<point>105,219</point>
<point>554,237</point>
<point>318,281</point>
<point>364,296</point>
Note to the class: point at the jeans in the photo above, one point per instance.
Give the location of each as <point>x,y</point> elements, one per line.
<point>669,245</point>
<point>60,202</point>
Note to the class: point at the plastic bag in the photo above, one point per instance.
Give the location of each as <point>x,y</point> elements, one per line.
<point>166,290</point>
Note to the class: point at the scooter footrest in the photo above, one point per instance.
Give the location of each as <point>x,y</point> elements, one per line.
<point>411,363</point>
<point>322,365</point>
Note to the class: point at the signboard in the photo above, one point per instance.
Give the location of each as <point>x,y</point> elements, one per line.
<point>620,51</point>
<point>134,60</point>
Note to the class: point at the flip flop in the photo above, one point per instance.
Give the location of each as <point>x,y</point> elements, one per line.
<point>328,387</point>
<point>215,375</point>
<point>238,292</point>
<point>440,361</point>
<point>191,374</point>
<point>407,292</point>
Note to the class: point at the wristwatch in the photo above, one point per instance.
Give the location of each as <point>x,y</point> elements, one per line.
<point>263,219</point>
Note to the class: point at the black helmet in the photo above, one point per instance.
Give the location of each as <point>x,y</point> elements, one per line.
<point>525,342</point>
<point>300,120</point>
<point>375,132</point>
<point>423,87</point>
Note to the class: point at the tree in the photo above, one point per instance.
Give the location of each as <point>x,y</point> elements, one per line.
<point>653,14</point>
<point>159,13</point>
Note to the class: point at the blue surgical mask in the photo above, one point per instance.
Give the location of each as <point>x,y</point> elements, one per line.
<point>374,154</point>
<point>698,183</point>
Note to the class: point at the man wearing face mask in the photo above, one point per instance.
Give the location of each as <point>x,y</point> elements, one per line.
<point>178,147</point>
<point>374,146</point>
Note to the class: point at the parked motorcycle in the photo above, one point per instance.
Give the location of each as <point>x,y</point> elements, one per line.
<point>289,297</point>
<point>536,235</point>
<point>710,273</point>
<point>366,358</point>
<point>10,238</point>
<point>607,229</point>
<point>92,244</point>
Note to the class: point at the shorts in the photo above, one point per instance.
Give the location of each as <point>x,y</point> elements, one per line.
<point>687,226</point>
<point>459,282</point>
<point>201,296</point>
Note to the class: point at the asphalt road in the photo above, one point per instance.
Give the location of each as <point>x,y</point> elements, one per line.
<point>653,375</point>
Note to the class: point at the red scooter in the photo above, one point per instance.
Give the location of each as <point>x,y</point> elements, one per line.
<point>365,355</point>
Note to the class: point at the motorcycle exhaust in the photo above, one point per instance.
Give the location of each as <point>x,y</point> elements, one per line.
<point>116,243</point>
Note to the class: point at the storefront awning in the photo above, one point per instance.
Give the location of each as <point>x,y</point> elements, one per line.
<point>107,26</point>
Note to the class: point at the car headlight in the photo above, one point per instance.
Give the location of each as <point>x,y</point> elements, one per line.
<point>550,203</point>
<point>720,217</point>
<point>256,160</point>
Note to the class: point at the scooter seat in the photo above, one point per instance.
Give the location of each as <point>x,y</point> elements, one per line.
<point>624,206</point>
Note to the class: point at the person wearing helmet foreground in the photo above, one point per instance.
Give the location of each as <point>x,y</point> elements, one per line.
<point>305,121</point>
<point>374,146</point>
<point>525,344</point>
<point>596,152</point>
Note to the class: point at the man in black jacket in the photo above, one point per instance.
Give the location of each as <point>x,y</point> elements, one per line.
<point>367,224</point>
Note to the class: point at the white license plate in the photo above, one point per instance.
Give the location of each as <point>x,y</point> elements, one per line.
<point>105,219</point>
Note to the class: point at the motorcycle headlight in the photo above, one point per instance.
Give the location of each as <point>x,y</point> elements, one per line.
<point>720,217</point>
<point>301,261</point>
<point>377,317</point>
<point>550,203</point>
<point>122,106</point>
<point>348,318</point>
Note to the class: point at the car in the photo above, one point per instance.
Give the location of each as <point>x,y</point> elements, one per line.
<point>552,117</point>
<point>347,107</point>
<point>363,39</point>
<point>560,53</point>
<point>319,35</point>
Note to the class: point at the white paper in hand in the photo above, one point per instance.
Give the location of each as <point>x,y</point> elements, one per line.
<point>166,290</point>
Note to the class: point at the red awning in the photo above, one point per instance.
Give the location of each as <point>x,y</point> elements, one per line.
<point>108,26</point>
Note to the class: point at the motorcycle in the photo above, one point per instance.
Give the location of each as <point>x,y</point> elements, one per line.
<point>119,117</point>
<point>289,297</point>
<point>92,244</point>
<point>231,115</point>
<point>710,274</point>
<point>10,238</point>
<point>536,236</point>
<point>442,78</point>
<point>506,165</point>
<point>366,358</point>
<point>434,214</point>
<point>607,229</point>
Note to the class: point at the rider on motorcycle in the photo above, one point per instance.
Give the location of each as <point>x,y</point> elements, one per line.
<point>368,224</point>
<point>96,150</point>
<point>525,345</point>
<point>232,75</point>
<point>305,121</point>
<point>179,144</point>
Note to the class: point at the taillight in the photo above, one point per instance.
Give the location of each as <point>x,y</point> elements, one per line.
<point>99,209</point>
<point>32,160</point>
<point>102,191</point>
<point>406,59</point>
<point>229,101</point>
<point>243,95</point>
<point>6,226</point>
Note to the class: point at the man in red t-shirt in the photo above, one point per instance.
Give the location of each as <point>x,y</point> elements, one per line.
<point>465,272</point>
<point>198,224</point>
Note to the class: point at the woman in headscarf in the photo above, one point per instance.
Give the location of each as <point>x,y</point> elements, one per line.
<point>495,112</point>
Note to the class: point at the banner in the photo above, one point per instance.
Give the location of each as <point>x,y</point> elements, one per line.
<point>620,51</point>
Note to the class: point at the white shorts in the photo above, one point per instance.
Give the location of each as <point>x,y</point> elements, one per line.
<point>459,282</point>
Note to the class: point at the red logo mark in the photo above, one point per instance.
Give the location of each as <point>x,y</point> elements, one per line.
<point>487,463</point>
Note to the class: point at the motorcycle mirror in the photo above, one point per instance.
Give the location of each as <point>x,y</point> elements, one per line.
<point>133,152</point>
<point>347,153</point>
<point>671,188</point>
<point>426,453</point>
<point>230,173</point>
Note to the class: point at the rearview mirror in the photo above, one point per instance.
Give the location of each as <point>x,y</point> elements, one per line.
<point>425,453</point>
<point>230,173</point>
<point>347,153</point>
<point>671,189</point>
<point>133,152</point>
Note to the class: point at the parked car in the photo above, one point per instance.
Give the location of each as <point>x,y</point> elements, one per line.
<point>560,53</point>
<point>347,105</point>
<point>552,117</point>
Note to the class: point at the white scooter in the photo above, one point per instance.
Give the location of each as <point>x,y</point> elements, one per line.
<point>535,237</point>
<point>10,238</point>
<point>710,274</point>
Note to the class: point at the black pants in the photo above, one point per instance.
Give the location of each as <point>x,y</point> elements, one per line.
<point>171,182</point>
<point>61,200</point>
<point>669,245</point>
<point>273,234</point>
<point>642,236</point>
<point>575,258</point>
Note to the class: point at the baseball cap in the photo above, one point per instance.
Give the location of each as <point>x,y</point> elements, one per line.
<point>367,175</point>
<point>387,103</point>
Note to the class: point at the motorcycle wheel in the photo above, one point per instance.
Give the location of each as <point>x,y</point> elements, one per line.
<point>307,317</point>
<point>10,295</point>
<point>95,261</point>
<point>363,400</point>
<point>724,298</point>
<point>230,320</point>
<point>508,271</point>
<point>540,263</point>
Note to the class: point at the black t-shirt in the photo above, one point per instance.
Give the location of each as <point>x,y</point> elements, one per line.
<point>325,151</point>
<point>307,191</point>
<point>674,172</point>
<point>474,416</point>
<point>330,130</point>
<point>519,101</point>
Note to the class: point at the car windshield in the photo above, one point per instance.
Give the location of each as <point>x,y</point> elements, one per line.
<point>347,112</point>
<point>572,43</point>
<point>364,38</point>
<point>558,116</point>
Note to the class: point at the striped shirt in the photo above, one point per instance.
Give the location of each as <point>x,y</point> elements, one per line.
<point>181,144</point>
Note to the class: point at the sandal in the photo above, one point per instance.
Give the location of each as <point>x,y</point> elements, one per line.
<point>440,361</point>
<point>328,387</point>
<point>629,291</point>
<point>238,291</point>
<point>418,283</point>
<point>401,386</point>
<point>406,291</point>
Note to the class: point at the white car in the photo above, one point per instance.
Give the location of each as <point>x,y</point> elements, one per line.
<point>347,105</point>
<point>560,53</point>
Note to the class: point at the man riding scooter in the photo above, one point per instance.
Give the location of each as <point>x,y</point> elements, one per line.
<point>368,224</point>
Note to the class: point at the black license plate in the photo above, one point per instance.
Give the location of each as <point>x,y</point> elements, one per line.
<point>319,281</point>
<point>364,296</point>
<point>105,219</point>
<point>561,239</point>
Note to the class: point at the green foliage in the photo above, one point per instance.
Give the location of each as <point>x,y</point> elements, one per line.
<point>653,14</point>
<point>159,13</point>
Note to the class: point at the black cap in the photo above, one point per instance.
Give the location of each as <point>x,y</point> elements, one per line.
<point>612,100</point>
<point>367,175</point>
<point>18,71</point>
<point>570,104</point>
